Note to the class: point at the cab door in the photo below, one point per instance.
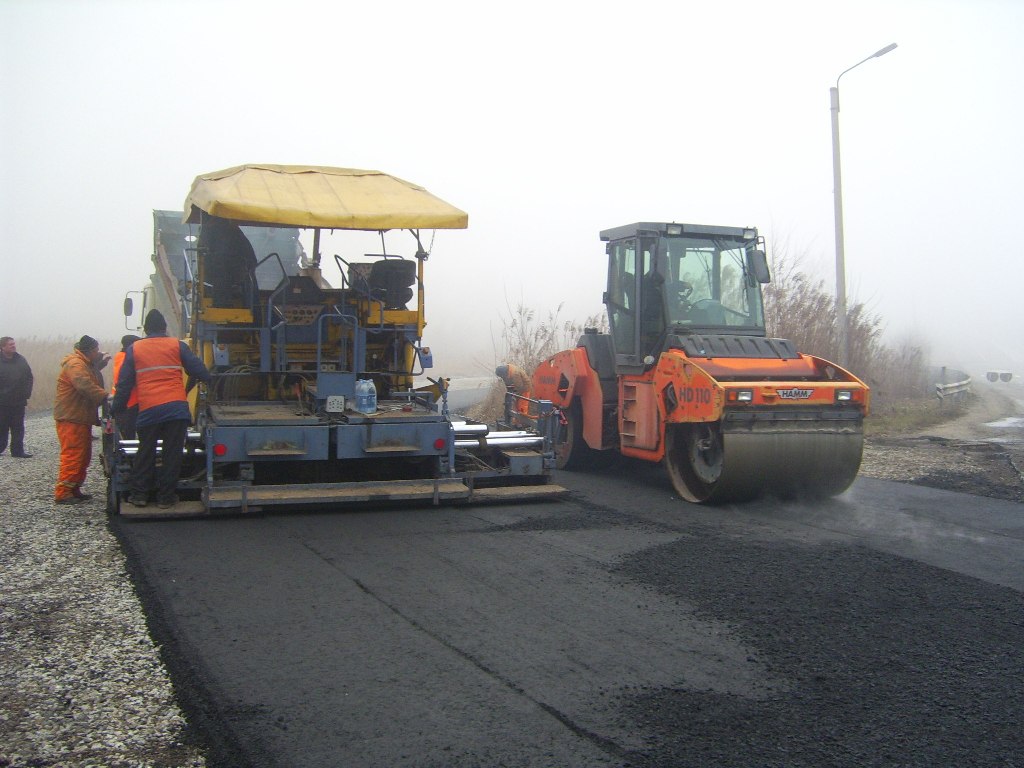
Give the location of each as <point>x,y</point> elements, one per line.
<point>621,301</point>
<point>634,300</point>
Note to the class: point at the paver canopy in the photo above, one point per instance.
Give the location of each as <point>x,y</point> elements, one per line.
<point>318,196</point>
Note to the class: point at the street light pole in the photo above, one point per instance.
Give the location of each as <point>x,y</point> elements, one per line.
<point>841,324</point>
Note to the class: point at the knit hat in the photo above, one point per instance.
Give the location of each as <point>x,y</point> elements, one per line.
<point>127,340</point>
<point>155,322</point>
<point>87,344</point>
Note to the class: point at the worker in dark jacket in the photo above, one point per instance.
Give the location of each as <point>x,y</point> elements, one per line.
<point>152,368</point>
<point>15,391</point>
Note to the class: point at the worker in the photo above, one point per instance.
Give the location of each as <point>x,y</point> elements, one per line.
<point>126,421</point>
<point>15,391</point>
<point>518,383</point>
<point>79,394</point>
<point>152,367</point>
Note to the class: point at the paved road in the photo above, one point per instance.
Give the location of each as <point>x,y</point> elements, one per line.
<point>620,627</point>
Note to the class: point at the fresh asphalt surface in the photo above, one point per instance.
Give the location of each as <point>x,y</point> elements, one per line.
<point>618,627</point>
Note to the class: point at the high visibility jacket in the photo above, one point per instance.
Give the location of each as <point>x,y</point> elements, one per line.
<point>79,390</point>
<point>133,398</point>
<point>158,371</point>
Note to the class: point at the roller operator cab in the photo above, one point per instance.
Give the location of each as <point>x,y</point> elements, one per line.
<point>316,362</point>
<point>687,374</point>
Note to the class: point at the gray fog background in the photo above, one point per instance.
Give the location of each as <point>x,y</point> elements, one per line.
<point>546,122</point>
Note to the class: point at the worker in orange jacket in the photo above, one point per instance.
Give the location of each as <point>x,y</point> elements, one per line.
<point>517,382</point>
<point>79,394</point>
<point>125,421</point>
<point>153,368</point>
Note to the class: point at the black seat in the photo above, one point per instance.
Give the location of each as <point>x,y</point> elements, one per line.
<point>230,264</point>
<point>391,281</point>
<point>602,359</point>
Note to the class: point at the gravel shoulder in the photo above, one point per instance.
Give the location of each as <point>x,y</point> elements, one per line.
<point>962,454</point>
<point>81,683</point>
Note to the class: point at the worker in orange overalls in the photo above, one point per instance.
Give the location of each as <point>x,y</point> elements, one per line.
<point>125,421</point>
<point>516,381</point>
<point>152,367</point>
<point>79,394</point>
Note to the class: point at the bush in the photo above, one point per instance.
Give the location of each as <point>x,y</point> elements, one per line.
<point>799,308</point>
<point>526,341</point>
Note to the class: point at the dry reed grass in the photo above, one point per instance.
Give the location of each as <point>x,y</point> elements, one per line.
<point>526,338</point>
<point>44,356</point>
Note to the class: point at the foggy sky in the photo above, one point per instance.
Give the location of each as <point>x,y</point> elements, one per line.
<point>546,122</point>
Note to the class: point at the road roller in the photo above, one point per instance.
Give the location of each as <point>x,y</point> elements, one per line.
<point>687,375</point>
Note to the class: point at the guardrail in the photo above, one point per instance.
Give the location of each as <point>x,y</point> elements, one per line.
<point>953,391</point>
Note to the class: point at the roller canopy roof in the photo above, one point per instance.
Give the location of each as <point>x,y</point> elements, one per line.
<point>317,196</point>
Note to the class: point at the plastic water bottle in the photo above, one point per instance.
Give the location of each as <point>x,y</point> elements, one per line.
<point>361,399</point>
<point>366,396</point>
<point>371,396</point>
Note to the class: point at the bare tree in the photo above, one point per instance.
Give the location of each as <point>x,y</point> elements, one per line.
<point>527,339</point>
<point>798,307</point>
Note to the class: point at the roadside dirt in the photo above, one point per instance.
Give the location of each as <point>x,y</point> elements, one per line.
<point>979,451</point>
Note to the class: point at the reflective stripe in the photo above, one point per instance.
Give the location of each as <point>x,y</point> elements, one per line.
<point>159,377</point>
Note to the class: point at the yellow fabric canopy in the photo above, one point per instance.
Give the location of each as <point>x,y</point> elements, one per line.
<point>317,196</point>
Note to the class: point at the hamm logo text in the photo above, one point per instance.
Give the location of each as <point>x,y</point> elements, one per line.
<point>795,394</point>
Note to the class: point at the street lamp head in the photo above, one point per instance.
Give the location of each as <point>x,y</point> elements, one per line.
<point>875,55</point>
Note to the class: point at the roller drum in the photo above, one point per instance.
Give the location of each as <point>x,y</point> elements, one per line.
<point>788,459</point>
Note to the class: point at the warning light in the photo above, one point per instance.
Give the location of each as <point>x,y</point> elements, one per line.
<point>440,443</point>
<point>220,449</point>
